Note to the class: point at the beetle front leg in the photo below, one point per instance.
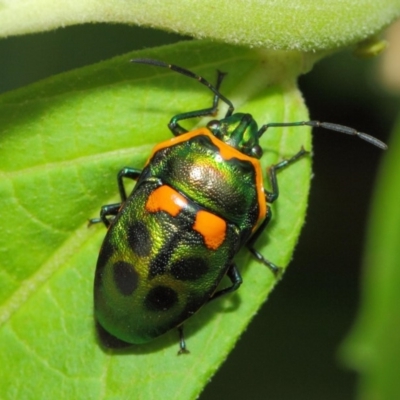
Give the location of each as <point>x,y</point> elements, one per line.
<point>177,129</point>
<point>274,193</point>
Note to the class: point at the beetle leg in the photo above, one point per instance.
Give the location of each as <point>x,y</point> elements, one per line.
<point>274,194</point>
<point>106,211</point>
<point>270,197</point>
<point>182,344</point>
<point>177,129</point>
<point>250,245</point>
<point>112,209</point>
<point>234,275</point>
<point>127,172</point>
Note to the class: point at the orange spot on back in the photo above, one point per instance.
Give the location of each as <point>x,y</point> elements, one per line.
<point>211,227</point>
<point>166,199</point>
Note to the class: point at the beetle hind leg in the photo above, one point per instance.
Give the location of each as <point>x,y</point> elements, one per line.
<point>234,275</point>
<point>182,343</point>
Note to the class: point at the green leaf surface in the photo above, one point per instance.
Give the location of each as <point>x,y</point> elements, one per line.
<point>286,24</point>
<point>373,347</point>
<point>62,143</point>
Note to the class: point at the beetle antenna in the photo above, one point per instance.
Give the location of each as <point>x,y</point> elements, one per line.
<point>189,74</point>
<point>329,126</point>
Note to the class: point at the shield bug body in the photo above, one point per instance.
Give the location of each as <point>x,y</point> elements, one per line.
<point>198,200</point>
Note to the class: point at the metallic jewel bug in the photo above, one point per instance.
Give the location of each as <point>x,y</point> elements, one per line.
<point>198,200</point>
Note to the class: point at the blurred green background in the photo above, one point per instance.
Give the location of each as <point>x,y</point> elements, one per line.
<point>290,349</point>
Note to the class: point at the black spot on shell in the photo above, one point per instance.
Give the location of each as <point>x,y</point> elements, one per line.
<point>161,298</point>
<point>189,269</point>
<point>139,239</point>
<point>125,277</point>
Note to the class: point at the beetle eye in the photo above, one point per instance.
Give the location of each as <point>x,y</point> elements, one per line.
<point>214,125</point>
<point>256,151</point>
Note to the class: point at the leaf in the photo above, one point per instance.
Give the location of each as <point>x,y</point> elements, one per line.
<point>286,24</point>
<point>62,143</point>
<point>373,346</point>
